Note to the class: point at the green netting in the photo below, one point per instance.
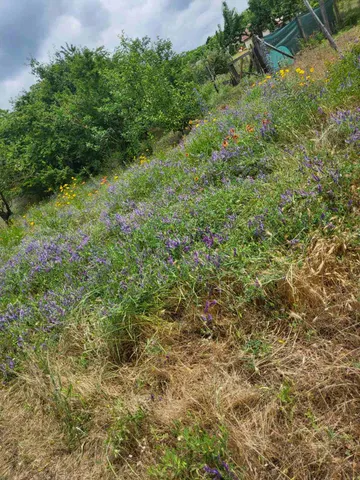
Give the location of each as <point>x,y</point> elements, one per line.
<point>290,35</point>
<point>276,60</point>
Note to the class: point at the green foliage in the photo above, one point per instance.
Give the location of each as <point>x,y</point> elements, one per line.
<point>234,26</point>
<point>58,129</point>
<point>70,409</point>
<point>257,347</point>
<point>86,105</point>
<point>349,11</point>
<point>195,454</point>
<point>126,432</point>
<point>313,41</point>
<point>263,13</point>
<point>11,170</point>
<point>345,79</point>
<point>207,62</point>
<point>150,89</point>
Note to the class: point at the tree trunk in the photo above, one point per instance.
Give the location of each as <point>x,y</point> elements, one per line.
<point>212,77</point>
<point>5,211</point>
<point>323,28</point>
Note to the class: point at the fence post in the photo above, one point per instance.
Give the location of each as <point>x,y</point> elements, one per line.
<point>323,28</point>
<point>261,61</point>
<point>337,13</point>
<point>300,27</point>
<point>325,15</point>
<point>234,74</point>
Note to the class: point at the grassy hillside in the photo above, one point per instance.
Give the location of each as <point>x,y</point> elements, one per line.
<point>195,316</point>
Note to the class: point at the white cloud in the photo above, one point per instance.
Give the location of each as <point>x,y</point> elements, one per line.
<point>12,87</point>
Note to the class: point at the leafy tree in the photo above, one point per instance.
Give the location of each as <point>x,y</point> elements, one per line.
<point>207,61</point>
<point>87,104</point>
<point>263,13</point>
<point>234,26</point>
<point>59,128</point>
<point>150,88</point>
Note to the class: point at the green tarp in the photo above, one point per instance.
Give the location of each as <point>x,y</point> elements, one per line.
<point>290,35</point>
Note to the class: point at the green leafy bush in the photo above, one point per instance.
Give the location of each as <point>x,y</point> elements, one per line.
<point>196,454</point>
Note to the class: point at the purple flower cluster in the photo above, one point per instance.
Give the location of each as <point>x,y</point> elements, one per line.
<point>14,314</point>
<point>216,474</point>
<point>350,121</point>
<point>257,225</point>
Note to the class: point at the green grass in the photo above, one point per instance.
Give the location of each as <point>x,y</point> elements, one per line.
<point>196,217</point>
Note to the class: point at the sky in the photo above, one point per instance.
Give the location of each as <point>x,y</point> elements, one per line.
<point>36,28</point>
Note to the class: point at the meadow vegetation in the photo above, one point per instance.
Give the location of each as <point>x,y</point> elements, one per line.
<point>193,315</point>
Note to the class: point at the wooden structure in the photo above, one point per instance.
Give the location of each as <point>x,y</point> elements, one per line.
<point>236,67</point>
<point>257,61</point>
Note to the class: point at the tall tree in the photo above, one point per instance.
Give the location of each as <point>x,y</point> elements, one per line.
<point>150,88</point>
<point>234,26</point>
<point>263,13</point>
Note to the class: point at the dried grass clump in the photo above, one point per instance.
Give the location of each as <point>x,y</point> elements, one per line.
<point>325,289</point>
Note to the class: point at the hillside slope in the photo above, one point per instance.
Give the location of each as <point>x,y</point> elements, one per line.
<point>196,315</point>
